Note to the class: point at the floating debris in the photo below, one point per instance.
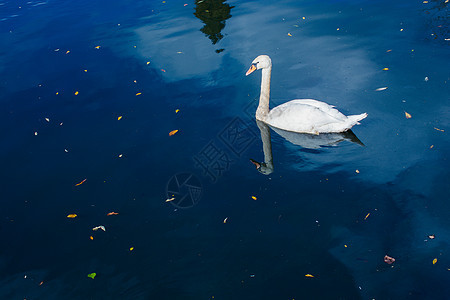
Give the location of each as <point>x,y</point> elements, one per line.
<point>71,216</point>
<point>173,132</point>
<point>99,227</point>
<point>381,89</point>
<point>389,260</point>
<point>81,182</point>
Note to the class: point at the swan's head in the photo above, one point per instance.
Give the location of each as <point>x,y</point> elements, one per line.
<point>261,62</point>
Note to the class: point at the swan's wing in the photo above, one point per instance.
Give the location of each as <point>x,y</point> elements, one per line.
<point>300,117</point>
<point>329,109</point>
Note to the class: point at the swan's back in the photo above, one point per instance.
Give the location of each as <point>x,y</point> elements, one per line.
<point>309,116</point>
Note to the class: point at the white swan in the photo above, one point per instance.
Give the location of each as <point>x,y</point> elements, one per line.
<point>301,115</point>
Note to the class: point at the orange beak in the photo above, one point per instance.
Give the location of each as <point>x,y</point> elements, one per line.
<point>252,68</point>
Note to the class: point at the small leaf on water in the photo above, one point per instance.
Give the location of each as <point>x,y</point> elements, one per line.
<point>367,216</point>
<point>177,110</point>
<point>112,214</point>
<point>99,227</point>
<point>407,115</point>
<point>385,69</point>
<point>381,89</point>
<point>71,216</point>
<point>81,182</point>
<point>92,275</point>
<point>225,220</point>
<point>97,47</point>
<point>289,34</point>
<point>434,261</point>
<point>76,93</point>
<point>173,132</point>
<point>131,248</point>
<point>309,275</point>
<point>137,94</point>
<point>170,200</point>
<point>119,118</point>
<point>254,198</point>
<point>91,238</point>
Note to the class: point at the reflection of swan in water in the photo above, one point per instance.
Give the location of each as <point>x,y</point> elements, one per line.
<point>311,141</point>
<point>301,115</point>
<point>265,167</point>
<point>304,140</point>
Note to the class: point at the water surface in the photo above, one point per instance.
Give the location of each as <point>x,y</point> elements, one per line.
<point>70,70</point>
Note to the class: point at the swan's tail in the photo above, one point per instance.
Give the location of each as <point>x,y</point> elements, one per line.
<point>356,118</point>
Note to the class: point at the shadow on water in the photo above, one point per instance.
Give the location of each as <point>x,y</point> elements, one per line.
<point>213,13</point>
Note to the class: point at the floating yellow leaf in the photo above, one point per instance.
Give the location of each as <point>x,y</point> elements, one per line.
<point>173,132</point>
<point>97,47</point>
<point>148,63</point>
<point>434,261</point>
<point>57,93</point>
<point>71,216</point>
<point>225,220</point>
<point>91,238</point>
<point>170,200</point>
<point>386,69</point>
<point>81,182</point>
<point>367,216</point>
<point>131,248</point>
<point>289,34</point>
<point>68,51</point>
<point>408,116</point>
<point>112,214</point>
<point>76,93</point>
<point>441,130</point>
<point>309,275</point>
<point>137,94</point>
<point>357,171</point>
<point>119,118</point>
<point>120,155</point>
<point>177,110</point>
<point>254,198</point>
<point>85,70</point>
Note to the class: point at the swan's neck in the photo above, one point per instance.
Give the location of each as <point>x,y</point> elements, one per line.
<point>263,107</point>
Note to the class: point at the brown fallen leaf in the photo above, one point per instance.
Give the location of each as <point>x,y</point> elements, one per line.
<point>389,260</point>
<point>80,183</point>
<point>173,132</point>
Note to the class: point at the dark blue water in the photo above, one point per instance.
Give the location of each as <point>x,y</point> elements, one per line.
<point>333,211</point>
